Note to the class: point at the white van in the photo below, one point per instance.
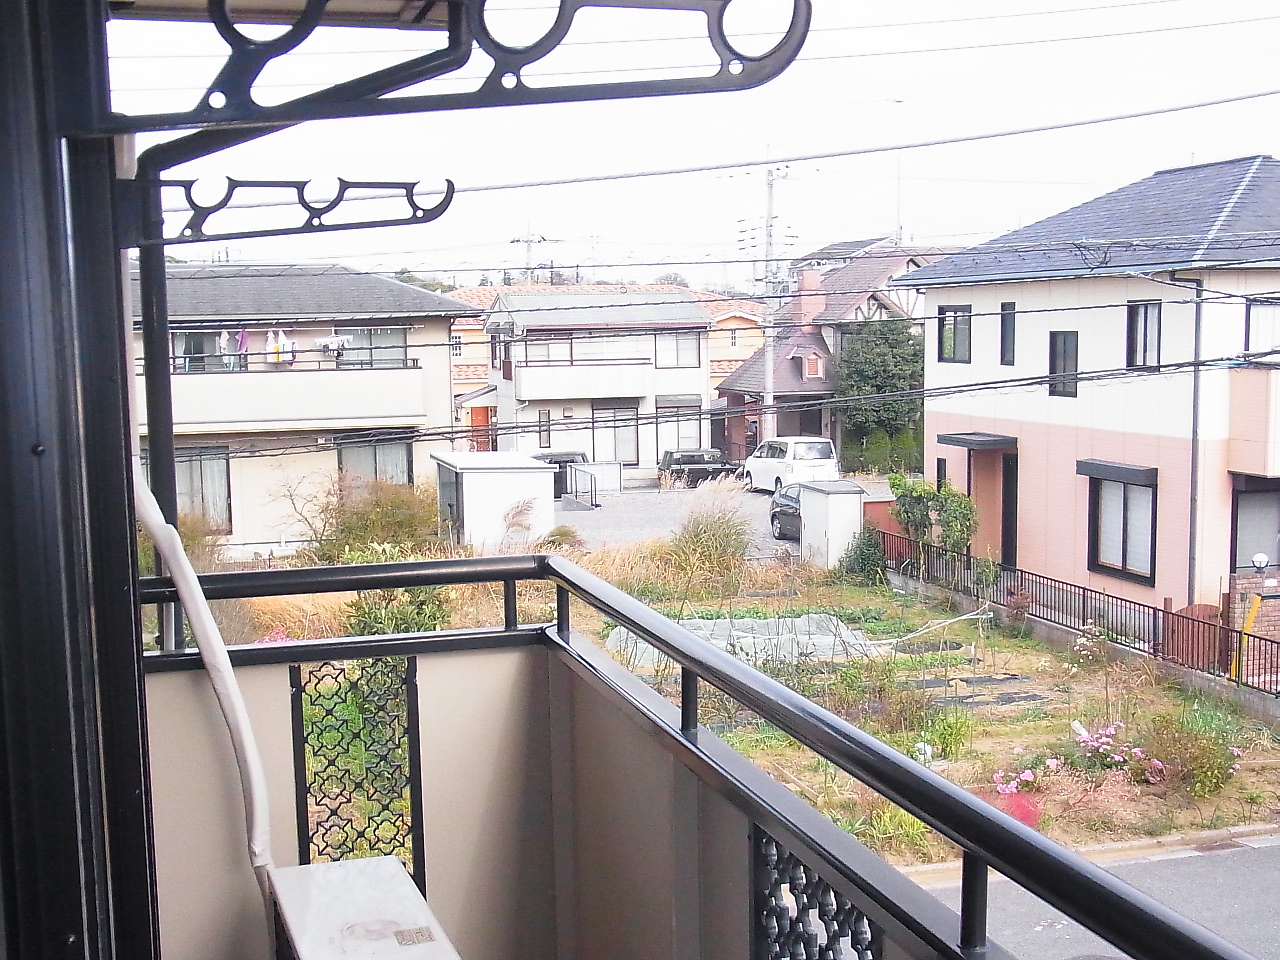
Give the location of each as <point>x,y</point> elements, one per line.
<point>785,460</point>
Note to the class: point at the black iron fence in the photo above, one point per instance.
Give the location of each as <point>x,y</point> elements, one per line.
<point>841,900</point>
<point>1208,646</point>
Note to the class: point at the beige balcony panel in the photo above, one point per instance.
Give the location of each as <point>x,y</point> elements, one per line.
<point>1254,447</point>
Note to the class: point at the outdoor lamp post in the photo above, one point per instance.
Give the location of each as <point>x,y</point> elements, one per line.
<point>1260,563</point>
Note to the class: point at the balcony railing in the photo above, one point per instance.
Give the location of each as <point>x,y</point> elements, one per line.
<point>555,805</point>
<point>1212,648</point>
<point>353,358</point>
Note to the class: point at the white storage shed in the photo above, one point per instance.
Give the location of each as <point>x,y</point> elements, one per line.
<point>495,500</point>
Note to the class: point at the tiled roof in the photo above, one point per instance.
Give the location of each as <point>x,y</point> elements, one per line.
<point>1205,215</point>
<point>718,305</point>
<point>585,307</point>
<point>851,286</point>
<point>787,374</point>
<point>835,251</point>
<point>222,292</point>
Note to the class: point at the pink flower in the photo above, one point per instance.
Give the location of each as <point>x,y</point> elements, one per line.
<point>1053,763</point>
<point>1027,775</point>
<point>1017,751</point>
<point>1235,752</point>
<point>1138,754</point>
<point>998,777</point>
<point>1156,765</point>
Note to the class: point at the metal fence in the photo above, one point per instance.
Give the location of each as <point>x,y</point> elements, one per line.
<point>1210,647</point>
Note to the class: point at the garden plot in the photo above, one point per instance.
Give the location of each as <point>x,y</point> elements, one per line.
<point>813,636</point>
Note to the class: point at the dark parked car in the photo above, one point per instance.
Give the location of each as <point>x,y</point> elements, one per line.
<point>784,513</point>
<point>562,460</point>
<point>695,466</point>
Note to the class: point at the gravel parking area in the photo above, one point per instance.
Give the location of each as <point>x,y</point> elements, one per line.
<point>635,515</point>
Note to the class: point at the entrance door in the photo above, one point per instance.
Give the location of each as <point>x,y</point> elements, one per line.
<point>1009,511</point>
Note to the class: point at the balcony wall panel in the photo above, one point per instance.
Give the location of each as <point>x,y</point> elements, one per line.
<point>486,787</point>
<point>1254,445</point>
<point>298,399</point>
<point>585,381</point>
<point>210,908</point>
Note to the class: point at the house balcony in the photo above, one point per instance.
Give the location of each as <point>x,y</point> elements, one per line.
<point>1254,447</point>
<point>597,379</point>
<point>551,804</point>
<point>305,398</point>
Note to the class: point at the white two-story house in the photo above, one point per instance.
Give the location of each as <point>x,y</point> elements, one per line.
<point>284,376</point>
<point>1146,460</point>
<point>621,374</point>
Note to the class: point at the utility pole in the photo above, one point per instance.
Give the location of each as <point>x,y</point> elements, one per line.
<point>529,239</point>
<point>774,284</point>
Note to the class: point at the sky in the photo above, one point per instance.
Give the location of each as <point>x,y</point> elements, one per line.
<point>872,74</point>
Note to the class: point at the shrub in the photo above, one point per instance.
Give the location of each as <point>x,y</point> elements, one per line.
<point>1198,754</point>
<point>351,515</point>
<point>863,561</point>
<point>948,731</point>
<point>710,548</point>
<point>376,612</point>
<point>563,536</point>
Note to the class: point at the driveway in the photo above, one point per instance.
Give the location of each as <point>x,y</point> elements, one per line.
<point>635,515</point>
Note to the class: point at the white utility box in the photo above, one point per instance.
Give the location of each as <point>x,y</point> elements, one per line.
<point>367,908</point>
<point>495,500</point>
<point>830,520</point>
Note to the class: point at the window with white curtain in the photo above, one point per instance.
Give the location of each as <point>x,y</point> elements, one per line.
<point>1144,334</point>
<point>616,434</point>
<point>380,462</point>
<point>374,347</point>
<point>204,486</point>
<point>679,428</point>
<point>679,349</point>
<point>1122,523</point>
<point>1264,329</point>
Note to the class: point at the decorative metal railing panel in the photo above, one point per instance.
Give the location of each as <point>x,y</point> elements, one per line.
<point>356,744</point>
<point>799,916</point>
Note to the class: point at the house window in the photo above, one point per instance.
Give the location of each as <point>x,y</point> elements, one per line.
<point>1122,525</point>
<point>204,485</point>
<point>495,355</point>
<point>455,344</point>
<point>942,472</point>
<point>548,349</point>
<point>955,327</point>
<point>733,337</point>
<point>544,429</point>
<point>813,368</point>
<point>197,352</point>
<point>616,433</point>
<point>380,462</point>
<point>1257,526</point>
<point>1008,317</point>
<point>374,347</point>
<point>1064,351</point>
<point>679,349</point>
<point>679,428</point>
<point>1143,349</point>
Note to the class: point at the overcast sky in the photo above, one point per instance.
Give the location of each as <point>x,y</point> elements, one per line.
<point>871,74</point>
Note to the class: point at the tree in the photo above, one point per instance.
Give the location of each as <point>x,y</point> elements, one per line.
<point>922,508</point>
<point>882,357</point>
<point>485,281</point>
<point>672,280</point>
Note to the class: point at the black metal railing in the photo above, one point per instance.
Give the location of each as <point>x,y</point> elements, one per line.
<point>1128,919</point>
<point>1207,646</point>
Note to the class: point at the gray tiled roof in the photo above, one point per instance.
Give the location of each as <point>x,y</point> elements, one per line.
<point>836,251</point>
<point>787,379</point>
<point>1214,213</point>
<point>850,286</point>
<point>584,308</point>
<point>296,293</point>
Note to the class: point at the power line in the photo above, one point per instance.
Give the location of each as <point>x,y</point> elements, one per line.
<point>1015,384</point>
<point>806,157</point>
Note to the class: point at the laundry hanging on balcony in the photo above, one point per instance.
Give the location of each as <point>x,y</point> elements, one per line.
<point>335,343</point>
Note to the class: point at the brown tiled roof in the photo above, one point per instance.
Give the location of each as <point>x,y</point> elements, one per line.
<point>470,371</point>
<point>787,375</point>
<point>725,367</point>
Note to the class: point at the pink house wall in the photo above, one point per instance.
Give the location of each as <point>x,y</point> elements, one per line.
<point>1053,502</point>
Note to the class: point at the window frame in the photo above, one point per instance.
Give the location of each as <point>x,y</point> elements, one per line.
<point>1122,572</point>
<point>674,339</point>
<point>370,355</point>
<point>408,461</point>
<point>952,316</point>
<point>184,456</point>
<point>1137,349</point>
<point>455,345</point>
<point>544,429</point>
<point>1069,386</point>
<point>1008,333</point>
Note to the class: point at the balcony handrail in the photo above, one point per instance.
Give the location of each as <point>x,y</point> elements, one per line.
<point>1142,927</point>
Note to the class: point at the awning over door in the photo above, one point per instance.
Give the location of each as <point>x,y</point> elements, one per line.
<point>979,441</point>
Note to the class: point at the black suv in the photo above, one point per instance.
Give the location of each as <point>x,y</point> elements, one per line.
<point>695,466</point>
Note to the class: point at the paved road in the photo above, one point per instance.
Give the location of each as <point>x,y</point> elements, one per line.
<point>1233,891</point>
<point>636,515</point>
